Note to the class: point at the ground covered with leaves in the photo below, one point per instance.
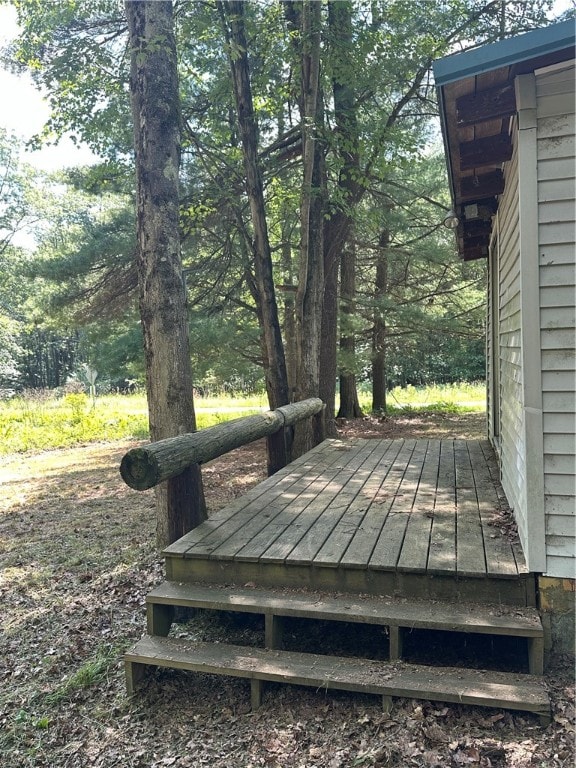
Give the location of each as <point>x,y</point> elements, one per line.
<point>77,553</point>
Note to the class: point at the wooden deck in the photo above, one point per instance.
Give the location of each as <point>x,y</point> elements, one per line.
<point>405,535</point>
<point>409,518</point>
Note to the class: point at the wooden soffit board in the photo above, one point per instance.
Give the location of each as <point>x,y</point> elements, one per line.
<point>478,112</point>
<point>478,118</point>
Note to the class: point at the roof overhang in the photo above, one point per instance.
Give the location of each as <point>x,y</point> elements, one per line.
<point>477,99</point>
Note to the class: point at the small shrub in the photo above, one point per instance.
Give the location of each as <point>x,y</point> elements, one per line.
<point>73,387</point>
<point>35,396</point>
<point>77,403</point>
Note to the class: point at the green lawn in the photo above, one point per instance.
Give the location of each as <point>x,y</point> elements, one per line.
<point>459,397</point>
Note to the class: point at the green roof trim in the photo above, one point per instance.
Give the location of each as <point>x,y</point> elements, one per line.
<point>486,58</point>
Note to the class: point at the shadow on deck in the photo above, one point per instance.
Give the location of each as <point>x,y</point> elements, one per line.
<point>421,519</point>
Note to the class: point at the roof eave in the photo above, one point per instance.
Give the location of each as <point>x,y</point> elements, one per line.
<point>513,50</point>
<point>491,68</point>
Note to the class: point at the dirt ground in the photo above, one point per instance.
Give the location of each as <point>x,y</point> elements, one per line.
<point>78,556</point>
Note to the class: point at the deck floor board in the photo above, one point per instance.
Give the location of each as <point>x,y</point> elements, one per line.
<point>414,554</point>
<point>429,508</point>
<point>306,514</point>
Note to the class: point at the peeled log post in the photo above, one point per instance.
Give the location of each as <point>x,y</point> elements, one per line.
<point>145,467</point>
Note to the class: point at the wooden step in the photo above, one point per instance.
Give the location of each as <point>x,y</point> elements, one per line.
<point>397,614</point>
<point>387,679</point>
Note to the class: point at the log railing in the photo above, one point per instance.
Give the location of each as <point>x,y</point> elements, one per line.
<point>144,467</point>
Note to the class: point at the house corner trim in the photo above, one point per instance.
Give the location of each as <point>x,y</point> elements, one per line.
<point>535,542</point>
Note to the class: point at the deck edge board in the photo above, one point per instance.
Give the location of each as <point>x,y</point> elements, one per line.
<point>493,619</point>
<point>476,687</point>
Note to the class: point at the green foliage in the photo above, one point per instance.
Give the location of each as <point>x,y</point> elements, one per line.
<point>222,401</point>
<point>77,403</point>
<point>76,50</point>
<point>432,304</point>
<point>85,256</point>
<point>47,356</point>
<point>225,350</point>
<point>17,192</point>
<point>205,420</point>
<point>31,423</point>
<point>41,421</point>
<point>84,272</point>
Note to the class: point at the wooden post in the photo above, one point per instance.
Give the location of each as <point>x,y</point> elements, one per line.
<point>184,498</point>
<point>395,635</point>
<point>536,655</point>
<point>273,631</point>
<point>277,451</point>
<point>387,704</point>
<point>159,618</point>
<point>135,674</point>
<point>255,693</point>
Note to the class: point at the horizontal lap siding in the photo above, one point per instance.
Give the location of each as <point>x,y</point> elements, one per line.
<point>491,373</point>
<point>556,205</point>
<point>512,449</point>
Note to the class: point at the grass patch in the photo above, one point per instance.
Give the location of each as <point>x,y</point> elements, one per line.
<point>89,674</point>
<point>458,397</point>
<point>36,424</point>
<point>27,727</point>
<point>40,422</point>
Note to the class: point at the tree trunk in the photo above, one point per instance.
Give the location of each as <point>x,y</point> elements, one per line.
<point>288,282</point>
<point>349,403</point>
<point>156,116</point>
<point>379,330</point>
<point>328,356</point>
<point>339,226</point>
<point>289,304</point>
<point>232,15</point>
<point>305,18</point>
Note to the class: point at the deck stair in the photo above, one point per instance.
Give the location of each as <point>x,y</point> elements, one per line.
<point>389,679</point>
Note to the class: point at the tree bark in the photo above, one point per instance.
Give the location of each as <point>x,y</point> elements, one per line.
<point>349,403</point>
<point>379,329</point>
<point>328,349</point>
<point>337,251</point>
<point>306,20</point>
<point>289,304</point>
<point>156,115</point>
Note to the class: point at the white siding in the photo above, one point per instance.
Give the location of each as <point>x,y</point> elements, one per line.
<point>492,346</point>
<point>512,448</point>
<point>556,236</point>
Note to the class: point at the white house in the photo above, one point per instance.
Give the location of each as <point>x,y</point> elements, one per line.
<point>508,123</point>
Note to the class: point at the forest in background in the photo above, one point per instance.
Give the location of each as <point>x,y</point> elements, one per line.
<point>408,310</point>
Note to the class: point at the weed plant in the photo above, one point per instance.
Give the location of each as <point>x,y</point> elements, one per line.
<point>38,421</point>
<point>35,422</point>
<point>88,674</point>
<point>29,425</point>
